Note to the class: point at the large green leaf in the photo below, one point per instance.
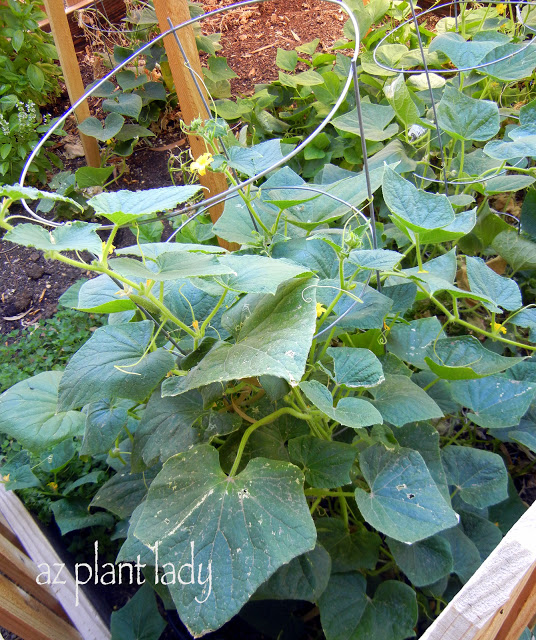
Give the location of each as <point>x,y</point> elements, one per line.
<point>274,340</point>
<point>418,210</point>
<point>315,255</point>
<point>303,578</point>
<point>258,274</point>
<point>376,119</point>
<point>125,206</point>
<point>399,97</point>
<point>114,362</point>
<point>348,613</point>
<point>404,501</point>
<point>139,619</point>
<point>29,412</point>
<point>351,412</point>
<point>237,531</point>
<point>325,464</point>
<point>152,250</point>
<point>355,367</point>
<point>478,476</point>
<point>16,192</point>
<point>423,562</point>
<point>399,400</point>
<point>466,118</point>
<point>349,550</point>
<point>17,473</point>
<point>519,64</point>
<point>463,224</point>
<point>496,402</point>
<point>464,358</point>
<point>503,292</point>
<point>170,266</point>
<point>464,553</point>
<point>75,236</point>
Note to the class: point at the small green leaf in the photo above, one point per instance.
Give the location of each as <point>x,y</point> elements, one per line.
<point>376,119</point>
<point>348,613</point>
<point>464,358</point>
<point>303,578</point>
<point>400,99</point>
<point>351,412</point>
<point>139,619</point>
<point>258,274</point>
<point>380,259</point>
<point>478,476</point>
<point>412,341</point>
<point>127,104</point>
<point>496,402</point>
<point>519,252</point>
<point>72,514</point>
<point>404,501</point>
<point>355,367</point>
<point>102,295</point>
<point>423,562</point>
<point>35,76</point>
<point>466,118</point>
<point>124,491</point>
<point>325,464</point>
<point>503,292</point>
<point>170,266</point>
<point>103,132</point>
<point>399,400</point>
<point>17,473</point>
<point>349,550</point>
<point>194,509</point>
<point>104,423</point>
<point>29,412</point>
<point>286,60</point>
<point>92,176</point>
<point>75,236</point>
<point>125,206</point>
<point>128,80</point>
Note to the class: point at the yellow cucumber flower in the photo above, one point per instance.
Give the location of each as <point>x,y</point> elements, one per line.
<point>497,327</point>
<point>501,8</point>
<point>320,309</point>
<point>202,163</point>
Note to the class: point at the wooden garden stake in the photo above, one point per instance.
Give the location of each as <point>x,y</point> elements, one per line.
<point>61,32</point>
<point>190,102</point>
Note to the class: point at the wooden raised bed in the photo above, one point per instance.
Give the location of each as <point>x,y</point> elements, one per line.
<point>37,611</point>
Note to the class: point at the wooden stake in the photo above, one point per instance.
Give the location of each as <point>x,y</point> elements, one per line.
<point>71,72</point>
<point>191,103</point>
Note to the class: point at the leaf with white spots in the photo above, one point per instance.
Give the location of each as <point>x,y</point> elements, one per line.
<point>274,340</point>
<point>239,530</point>
<point>404,501</point>
<point>495,402</point>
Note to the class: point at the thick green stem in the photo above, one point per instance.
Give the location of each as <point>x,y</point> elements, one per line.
<point>266,420</point>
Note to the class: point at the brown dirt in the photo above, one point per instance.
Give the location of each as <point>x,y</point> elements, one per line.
<point>252,35</point>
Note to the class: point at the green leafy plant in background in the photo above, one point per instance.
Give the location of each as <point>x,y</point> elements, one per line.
<point>27,54</point>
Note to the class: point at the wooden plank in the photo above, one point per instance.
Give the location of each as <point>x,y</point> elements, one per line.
<point>190,102</point>
<point>83,615</point>
<point>499,601</point>
<point>71,72</point>
<point>7,532</point>
<point>18,567</point>
<point>28,618</point>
